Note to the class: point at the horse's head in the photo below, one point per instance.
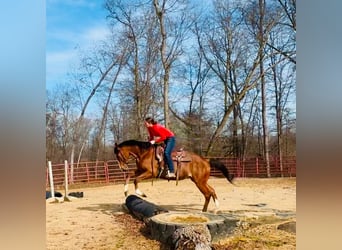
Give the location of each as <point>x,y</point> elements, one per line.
<point>122,157</point>
<point>126,149</point>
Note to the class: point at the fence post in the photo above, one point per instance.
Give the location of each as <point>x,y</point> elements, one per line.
<point>243,164</point>
<point>71,173</point>
<point>87,170</point>
<point>257,165</point>
<point>106,172</point>
<point>239,171</point>
<point>47,177</point>
<point>238,165</point>
<point>66,198</point>
<point>275,158</point>
<point>96,170</point>
<point>52,188</point>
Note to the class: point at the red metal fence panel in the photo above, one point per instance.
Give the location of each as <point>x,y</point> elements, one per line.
<point>256,167</point>
<point>108,172</point>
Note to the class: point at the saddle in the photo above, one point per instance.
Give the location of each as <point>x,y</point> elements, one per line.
<point>177,156</point>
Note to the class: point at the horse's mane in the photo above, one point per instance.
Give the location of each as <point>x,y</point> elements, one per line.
<point>140,144</point>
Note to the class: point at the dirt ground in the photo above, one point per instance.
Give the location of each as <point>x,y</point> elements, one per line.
<point>98,220</point>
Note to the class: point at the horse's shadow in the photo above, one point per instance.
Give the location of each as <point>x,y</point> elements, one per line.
<point>106,208</point>
<point>116,209</point>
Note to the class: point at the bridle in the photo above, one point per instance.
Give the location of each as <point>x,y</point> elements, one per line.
<point>122,160</point>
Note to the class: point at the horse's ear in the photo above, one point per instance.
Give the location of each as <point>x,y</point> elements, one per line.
<point>116,148</point>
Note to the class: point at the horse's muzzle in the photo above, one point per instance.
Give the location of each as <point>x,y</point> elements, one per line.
<point>123,166</point>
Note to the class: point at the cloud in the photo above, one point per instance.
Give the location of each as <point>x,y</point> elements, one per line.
<point>95,34</point>
<point>58,65</point>
<point>76,38</point>
<point>64,54</point>
<point>72,26</point>
<point>72,3</point>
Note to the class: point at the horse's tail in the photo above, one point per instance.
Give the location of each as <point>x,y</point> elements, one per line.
<point>217,164</point>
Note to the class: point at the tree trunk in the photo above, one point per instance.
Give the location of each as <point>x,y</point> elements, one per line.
<point>278,98</point>
<point>166,66</point>
<point>80,119</point>
<point>236,145</point>
<point>263,86</point>
<point>264,124</point>
<point>225,118</point>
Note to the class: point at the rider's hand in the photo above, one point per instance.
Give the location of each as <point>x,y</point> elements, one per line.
<point>152,142</point>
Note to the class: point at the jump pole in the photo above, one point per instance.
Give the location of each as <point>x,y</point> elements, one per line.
<point>52,189</point>
<point>66,198</point>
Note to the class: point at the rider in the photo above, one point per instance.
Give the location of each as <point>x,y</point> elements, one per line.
<point>163,134</point>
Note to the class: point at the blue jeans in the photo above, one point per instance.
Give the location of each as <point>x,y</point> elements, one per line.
<point>169,145</point>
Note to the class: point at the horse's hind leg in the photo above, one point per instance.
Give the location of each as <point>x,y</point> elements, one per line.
<point>208,192</point>
<point>216,201</point>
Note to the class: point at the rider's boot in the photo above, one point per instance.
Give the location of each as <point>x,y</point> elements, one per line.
<point>170,175</point>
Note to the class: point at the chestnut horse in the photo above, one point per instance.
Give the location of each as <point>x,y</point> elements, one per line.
<point>194,167</point>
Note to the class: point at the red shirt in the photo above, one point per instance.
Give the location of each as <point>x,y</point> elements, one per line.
<point>158,130</point>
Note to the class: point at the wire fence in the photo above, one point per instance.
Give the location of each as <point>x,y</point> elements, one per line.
<point>108,172</point>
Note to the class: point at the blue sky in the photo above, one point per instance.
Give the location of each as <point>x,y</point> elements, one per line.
<point>71,26</point>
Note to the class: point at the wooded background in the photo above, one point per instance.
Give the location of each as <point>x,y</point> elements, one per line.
<point>221,74</point>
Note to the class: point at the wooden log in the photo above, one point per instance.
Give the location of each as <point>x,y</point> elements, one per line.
<point>141,208</point>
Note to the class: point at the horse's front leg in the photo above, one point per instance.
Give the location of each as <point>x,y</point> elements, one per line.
<point>144,175</point>
<point>126,177</point>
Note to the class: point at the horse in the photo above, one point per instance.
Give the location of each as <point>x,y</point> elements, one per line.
<point>195,167</point>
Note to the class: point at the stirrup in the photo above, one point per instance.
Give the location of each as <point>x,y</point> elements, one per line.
<point>170,175</point>
<point>160,171</point>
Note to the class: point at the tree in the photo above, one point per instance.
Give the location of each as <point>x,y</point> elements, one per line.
<point>284,86</point>
<point>172,33</point>
<point>102,68</point>
<point>218,87</point>
<point>226,50</point>
<point>121,60</point>
<point>61,122</point>
<point>140,29</point>
<point>288,26</point>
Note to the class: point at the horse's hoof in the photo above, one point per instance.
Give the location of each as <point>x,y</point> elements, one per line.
<point>139,193</point>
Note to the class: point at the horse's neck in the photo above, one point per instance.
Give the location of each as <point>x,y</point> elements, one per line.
<point>137,151</point>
